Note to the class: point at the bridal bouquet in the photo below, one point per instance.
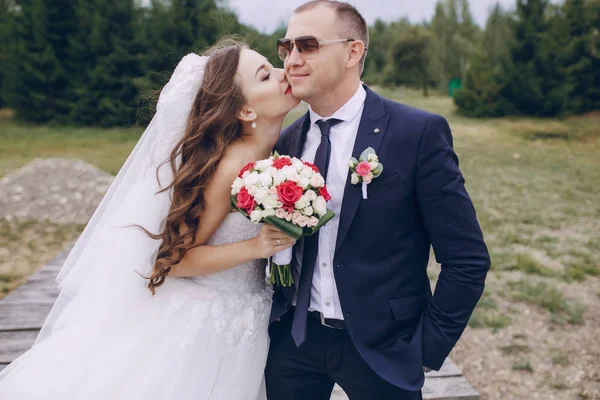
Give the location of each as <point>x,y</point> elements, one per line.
<point>287,193</point>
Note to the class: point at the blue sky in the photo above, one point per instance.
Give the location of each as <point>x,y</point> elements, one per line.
<point>266,15</point>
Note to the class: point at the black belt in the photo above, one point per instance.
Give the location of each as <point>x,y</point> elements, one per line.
<point>328,322</point>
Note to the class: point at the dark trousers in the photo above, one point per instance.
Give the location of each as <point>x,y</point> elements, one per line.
<point>327,356</point>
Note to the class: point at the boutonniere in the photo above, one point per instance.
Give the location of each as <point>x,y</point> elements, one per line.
<point>365,169</point>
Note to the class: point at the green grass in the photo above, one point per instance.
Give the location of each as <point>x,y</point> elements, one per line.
<point>105,148</point>
<point>528,265</point>
<point>541,294</point>
<point>522,365</point>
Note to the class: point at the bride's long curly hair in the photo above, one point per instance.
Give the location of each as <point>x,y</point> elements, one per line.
<point>211,127</point>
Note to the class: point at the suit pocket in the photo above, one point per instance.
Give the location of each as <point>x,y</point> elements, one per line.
<point>408,308</point>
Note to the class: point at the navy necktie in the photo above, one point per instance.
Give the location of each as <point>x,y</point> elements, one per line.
<point>311,243</point>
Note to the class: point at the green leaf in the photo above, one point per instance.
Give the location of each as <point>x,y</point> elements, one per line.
<point>365,154</point>
<point>275,154</point>
<point>325,219</point>
<point>285,226</point>
<point>354,161</point>
<point>378,170</point>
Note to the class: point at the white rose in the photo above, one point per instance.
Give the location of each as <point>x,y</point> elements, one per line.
<point>311,195</point>
<point>252,179</point>
<point>320,206</point>
<point>354,178</point>
<point>303,182</point>
<point>313,221</point>
<point>302,202</point>
<point>265,179</point>
<point>278,177</point>
<point>271,202</point>
<point>367,179</point>
<point>237,185</point>
<point>280,213</point>
<point>252,189</point>
<point>308,211</point>
<point>373,165</point>
<point>273,190</point>
<point>256,216</point>
<point>372,158</point>
<point>259,195</point>
<point>307,172</point>
<point>263,165</point>
<point>317,181</point>
<point>297,164</point>
<point>290,173</point>
<point>269,212</point>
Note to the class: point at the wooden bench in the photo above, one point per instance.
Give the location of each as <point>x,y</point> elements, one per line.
<point>23,312</point>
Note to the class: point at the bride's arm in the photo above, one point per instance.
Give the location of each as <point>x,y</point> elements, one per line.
<point>207,259</point>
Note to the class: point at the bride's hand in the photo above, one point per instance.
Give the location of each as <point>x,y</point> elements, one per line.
<point>270,240</point>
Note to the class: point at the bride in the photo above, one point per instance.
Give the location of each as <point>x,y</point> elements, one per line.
<point>164,295</point>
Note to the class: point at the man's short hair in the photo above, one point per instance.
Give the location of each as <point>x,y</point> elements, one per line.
<point>354,22</point>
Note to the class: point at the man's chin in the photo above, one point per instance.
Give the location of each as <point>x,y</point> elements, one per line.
<point>300,92</point>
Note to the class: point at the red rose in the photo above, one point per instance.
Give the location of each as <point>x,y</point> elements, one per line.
<point>289,193</point>
<point>282,162</point>
<point>325,193</point>
<point>312,166</point>
<point>247,167</point>
<point>245,201</point>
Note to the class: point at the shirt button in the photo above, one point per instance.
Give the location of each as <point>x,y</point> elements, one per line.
<point>328,304</point>
<point>324,265</point>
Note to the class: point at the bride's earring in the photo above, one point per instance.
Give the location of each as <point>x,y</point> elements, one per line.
<point>253,124</point>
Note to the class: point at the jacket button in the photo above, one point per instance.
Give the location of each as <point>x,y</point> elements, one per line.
<point>348,315</point>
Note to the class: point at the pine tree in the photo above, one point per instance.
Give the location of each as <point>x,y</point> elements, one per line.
<point>580,65</point>
<point>533,81</point>
<point>39,90</point>
<point>108,95</point>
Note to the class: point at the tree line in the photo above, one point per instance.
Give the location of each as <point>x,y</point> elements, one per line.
<point>102,62</point>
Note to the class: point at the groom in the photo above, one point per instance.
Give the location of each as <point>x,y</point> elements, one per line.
<point>362,313</point>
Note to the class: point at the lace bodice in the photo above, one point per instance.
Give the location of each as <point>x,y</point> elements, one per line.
<point>235,303</point>
<point>246,278</point>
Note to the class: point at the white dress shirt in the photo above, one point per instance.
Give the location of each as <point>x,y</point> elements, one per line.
<point>324,295</point>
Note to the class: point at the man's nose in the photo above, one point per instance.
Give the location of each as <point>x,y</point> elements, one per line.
<point>294,58</point>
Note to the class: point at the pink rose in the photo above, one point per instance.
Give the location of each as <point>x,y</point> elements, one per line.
<point>296,217</point>
<point>273,190</point>
<point>363,168</point>
<point>280,213</point>
<point>368,178</point>
<point>313,221</point>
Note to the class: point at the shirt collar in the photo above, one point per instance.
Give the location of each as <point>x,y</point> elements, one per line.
<point>348,111</point>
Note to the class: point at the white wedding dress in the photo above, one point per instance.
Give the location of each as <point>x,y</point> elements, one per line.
<point>107,337</point>
<point>202,338</point>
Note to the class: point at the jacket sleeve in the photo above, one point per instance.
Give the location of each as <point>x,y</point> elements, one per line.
<point>457,241</point>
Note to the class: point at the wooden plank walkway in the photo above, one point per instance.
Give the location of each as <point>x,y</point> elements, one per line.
<point>23,312</point>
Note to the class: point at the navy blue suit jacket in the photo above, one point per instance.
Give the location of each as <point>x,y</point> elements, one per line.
<point>383,243</point>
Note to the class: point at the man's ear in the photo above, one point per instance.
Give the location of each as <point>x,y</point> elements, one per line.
<point>355,53</point>
<point>246,114</point>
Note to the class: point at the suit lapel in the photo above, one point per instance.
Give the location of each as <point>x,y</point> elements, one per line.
<point>370,133</point>
<point>299,137</point>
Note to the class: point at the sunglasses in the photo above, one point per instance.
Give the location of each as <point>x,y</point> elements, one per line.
<point>308,46</point>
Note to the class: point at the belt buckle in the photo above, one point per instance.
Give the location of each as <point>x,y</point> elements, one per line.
<point>324,323</point>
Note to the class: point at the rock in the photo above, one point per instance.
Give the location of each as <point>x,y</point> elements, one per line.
<point>61,190</point>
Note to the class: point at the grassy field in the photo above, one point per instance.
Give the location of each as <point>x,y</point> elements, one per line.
<point>535,185</point>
